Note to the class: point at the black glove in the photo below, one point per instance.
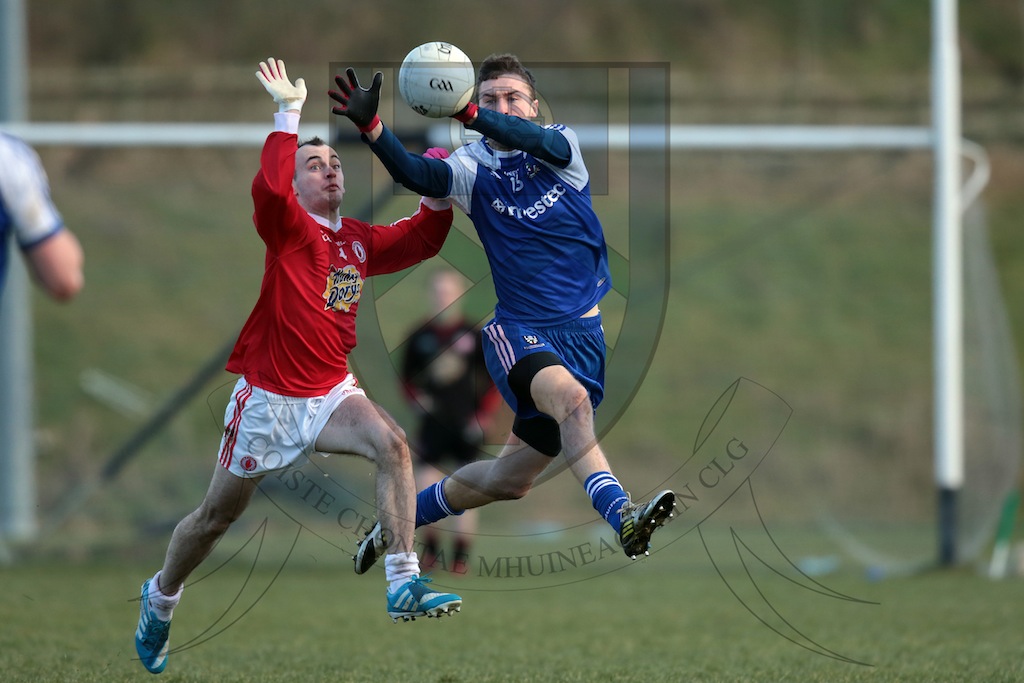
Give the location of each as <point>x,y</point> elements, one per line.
<point>357,103</point>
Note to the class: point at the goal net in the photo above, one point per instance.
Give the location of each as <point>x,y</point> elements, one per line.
<point>810,273</point>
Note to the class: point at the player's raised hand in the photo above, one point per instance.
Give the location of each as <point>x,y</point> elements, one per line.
<point>274,77</point>
<point>357,103</point>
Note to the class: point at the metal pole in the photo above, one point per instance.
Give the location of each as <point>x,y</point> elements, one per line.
<point>13,61</point>
<point>947,275</point>
<point>17,480</point>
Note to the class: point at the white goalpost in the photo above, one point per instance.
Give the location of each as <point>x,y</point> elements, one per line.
<point>947,273</point>
<point>942,137</point>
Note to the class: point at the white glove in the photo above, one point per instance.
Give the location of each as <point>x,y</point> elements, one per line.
<point>274,78</point>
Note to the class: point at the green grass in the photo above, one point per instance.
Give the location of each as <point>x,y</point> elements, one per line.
<point>669,618</point>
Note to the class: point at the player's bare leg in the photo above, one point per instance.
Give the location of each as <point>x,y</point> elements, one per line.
<point>506,477</point>
<point>512,473</point>
<point>193,539</point>
<point>197,534</point>
<point>557,393</point>
<point>360,427</point>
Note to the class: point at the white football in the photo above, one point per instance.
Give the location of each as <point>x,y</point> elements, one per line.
<point>436,79</point>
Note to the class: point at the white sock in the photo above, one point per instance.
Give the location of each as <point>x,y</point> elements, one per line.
<point>160,602</point>
<point>399,568</point>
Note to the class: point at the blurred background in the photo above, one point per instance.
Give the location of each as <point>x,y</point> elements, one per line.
<point>807,272</point>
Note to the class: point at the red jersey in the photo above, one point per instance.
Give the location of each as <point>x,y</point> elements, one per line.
<point>297,339</point>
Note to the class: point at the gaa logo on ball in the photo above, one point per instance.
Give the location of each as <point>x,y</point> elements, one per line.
<point>436,79</point>
<point>441,84</point>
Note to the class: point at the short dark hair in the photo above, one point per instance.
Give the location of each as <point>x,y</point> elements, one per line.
<point>315,141</point>
<point>505,64</point>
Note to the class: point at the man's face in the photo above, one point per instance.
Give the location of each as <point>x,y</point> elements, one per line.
<point>508,95</point>
<point>446,288</point>
<point>319,182</point>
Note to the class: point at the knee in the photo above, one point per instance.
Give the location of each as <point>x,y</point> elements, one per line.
<point>217,519</point>
<point>517,491</point>
<point>391,446</point>
<point>511,488</point>
<point>572,402</point>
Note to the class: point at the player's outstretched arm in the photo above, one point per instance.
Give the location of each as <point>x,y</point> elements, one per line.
<point>518,133</point>
<point>432,202</point>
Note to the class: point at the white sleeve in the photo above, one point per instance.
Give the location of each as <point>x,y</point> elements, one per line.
<point>25,194</point>
<point>464,168</point>
<point>286,122</point>
<point>576,173</point>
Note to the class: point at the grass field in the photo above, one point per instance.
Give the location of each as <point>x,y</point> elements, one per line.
<point>668,618</point>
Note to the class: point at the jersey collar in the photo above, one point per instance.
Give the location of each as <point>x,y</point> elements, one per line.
<point>332,226</point>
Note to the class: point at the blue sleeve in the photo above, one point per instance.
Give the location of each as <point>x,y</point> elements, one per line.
<point>427,177</point>
<point>544,143</point>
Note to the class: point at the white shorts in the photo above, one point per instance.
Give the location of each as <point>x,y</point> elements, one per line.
<point>265,432</point>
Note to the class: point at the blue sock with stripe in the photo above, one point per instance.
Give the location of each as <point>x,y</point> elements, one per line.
<point>607,496</point>
<point>432,505</point>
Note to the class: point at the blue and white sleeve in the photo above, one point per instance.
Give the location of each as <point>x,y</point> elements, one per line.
<point>25,193</point>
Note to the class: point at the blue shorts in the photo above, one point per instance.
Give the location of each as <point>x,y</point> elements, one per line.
<point>579,344</point>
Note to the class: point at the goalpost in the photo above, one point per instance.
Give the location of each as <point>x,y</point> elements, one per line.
<point>947,273</point>
<point>942,137</point>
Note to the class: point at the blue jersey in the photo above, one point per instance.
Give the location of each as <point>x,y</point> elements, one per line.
<point>25,206</point>
<point>531,208</point>
<point>537,224</point>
